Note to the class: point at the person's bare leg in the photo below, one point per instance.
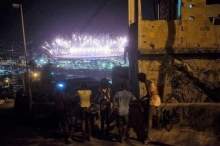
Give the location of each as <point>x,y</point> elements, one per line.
<point>102,121</point>
<point>71,129</point>
<point>107,121</point>
<point>89,128</point>
<point>150,118</point>
<point>123,132</point>
<point>149,125</point>
<point>120,129</point>
<point>83,129</point>
<point>128,130</point>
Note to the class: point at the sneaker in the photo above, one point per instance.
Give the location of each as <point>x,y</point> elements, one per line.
<point>147,141</point>
<point>70,140</point>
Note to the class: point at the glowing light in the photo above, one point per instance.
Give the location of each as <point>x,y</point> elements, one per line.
<point>86,45</point>
<point>60,85</point>
<point>7,80</point>
<point>35,74</point>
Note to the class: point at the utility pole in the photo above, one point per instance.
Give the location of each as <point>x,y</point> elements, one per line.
<point>25,53</point>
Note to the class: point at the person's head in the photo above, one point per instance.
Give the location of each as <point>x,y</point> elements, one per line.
<point>84,84</point>
<point>141,77</point>
<point>123,86</point>
<point>104,83</point>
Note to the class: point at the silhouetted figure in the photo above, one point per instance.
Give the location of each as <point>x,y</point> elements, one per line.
<point>151,100</point>
<point>123,99</point>
<point>105,100</point>
<point>84,94</point>
<point>71,117</point>
<point>59,108</point>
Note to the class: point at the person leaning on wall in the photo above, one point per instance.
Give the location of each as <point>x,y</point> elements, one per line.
<point>151,100</point>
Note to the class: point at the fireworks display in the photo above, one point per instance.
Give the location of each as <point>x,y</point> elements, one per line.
<point>86,46</point>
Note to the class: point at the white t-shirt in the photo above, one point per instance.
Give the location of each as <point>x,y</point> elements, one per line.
<point>123,98</point>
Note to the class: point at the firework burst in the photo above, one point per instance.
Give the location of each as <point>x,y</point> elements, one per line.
<point>86,45</point>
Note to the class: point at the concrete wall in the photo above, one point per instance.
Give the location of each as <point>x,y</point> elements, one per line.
<point>177,87</point>
<point>187,124</point>
<point>178,34</point>
<point>199,33</point>
<point>193,41</point>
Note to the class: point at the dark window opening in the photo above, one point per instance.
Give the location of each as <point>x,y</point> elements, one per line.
<point>211,2</point>
<point>148,9</point>
<point>161,9</point>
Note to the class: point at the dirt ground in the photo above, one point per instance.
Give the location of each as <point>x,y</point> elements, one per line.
<point>24,130</point>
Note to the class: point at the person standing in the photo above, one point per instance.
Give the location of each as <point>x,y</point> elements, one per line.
<point>62,115</point>
<point>123,99</point>
<point>151,100</point>
<point>70,106</point>
<point>84,94</point>
<point>105,100</point>
<point>59,109</point>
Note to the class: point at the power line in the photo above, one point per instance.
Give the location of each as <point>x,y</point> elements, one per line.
<point>93,16</point>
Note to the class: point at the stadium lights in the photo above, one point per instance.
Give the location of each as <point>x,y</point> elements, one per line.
<point>86,45</point>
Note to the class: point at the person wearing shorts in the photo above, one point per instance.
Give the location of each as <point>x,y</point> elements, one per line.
<point>123,99</point>
<point>84,94</point>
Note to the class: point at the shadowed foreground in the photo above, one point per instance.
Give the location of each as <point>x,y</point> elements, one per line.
<point>26,130</point>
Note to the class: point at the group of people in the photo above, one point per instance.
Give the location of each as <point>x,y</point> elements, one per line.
<point>105,103</point>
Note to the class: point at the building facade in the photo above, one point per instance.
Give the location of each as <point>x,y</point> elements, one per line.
<point>180,52</point>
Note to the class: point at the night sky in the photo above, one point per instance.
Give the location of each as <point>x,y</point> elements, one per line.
<point>46,19</point>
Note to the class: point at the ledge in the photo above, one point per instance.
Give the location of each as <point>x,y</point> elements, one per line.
<point>181,52</point>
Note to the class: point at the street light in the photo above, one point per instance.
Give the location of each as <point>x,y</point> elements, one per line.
<point>17,6</point>
<point>7,81</point>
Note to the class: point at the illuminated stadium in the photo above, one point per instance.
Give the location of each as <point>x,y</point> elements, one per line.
<point>86,51</point>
